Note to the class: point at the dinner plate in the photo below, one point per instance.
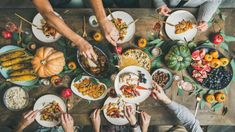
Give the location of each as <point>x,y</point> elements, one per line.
<point>4,72</point>
<point>144,94</point>
<point>127,18</point>
<point>75,91</point>
<point>174,19</point>
<point>115,121</point>
<point>37,20</point>
<point>168,84</point>
<point>42,102</point>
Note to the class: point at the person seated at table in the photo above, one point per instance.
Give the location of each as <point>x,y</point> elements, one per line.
<point>129,113</point>
<point>206,9</point>
<point>29,117</point>
<point>184,115</point>
<point>110,31</point>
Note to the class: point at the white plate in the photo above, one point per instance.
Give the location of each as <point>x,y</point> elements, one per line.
<point>39,34</point>
<point>168,84</point>
<point>144,94</point>
<point>174,19</point>
<point>75,91</point>
<point>115,121</point>
<point>127,19</point>
<point>5,72</point>
<point>42,102</point>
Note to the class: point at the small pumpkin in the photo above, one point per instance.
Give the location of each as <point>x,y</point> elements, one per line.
<point>97,36</point>
<point>214,54</point>
<point>210,98</point>
<point>215,63</point>
<point>72,65</point>
<point>48,61</point>
<point>224,61</point>
<point>142,42</point>
<point>208,57</point>
<point>178,57</point>
<point>220,97</point>
<point>56,80</point>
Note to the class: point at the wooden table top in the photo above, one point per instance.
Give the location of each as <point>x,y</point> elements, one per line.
<point>81,110</point>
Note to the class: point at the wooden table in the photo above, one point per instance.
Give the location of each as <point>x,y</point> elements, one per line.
<point>81,111</point>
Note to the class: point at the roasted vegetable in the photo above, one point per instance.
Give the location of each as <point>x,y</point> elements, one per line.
<point>18,66</point>
<point>13,55</point>
<point>16,61</point>
<point>21,72</point>
<point>28,77</point>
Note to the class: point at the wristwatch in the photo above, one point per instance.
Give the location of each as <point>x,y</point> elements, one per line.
<point>135,125</point>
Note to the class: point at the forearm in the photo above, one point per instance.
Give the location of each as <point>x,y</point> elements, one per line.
<point>158,3</point>
<point>207,10</point>
<point>98,8</point>
<point>185,116</point>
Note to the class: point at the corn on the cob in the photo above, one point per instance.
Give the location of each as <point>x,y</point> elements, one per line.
<point>28,77</point>
<point>15,61</point>
<point>12,55</point>
<point>21,72</point>
<point>18,66</point>
<point>10,51</point>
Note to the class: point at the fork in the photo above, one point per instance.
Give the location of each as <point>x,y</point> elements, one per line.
<point>84,35</point>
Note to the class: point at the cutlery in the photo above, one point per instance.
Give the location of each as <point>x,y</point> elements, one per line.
<point>84,35</point>
<point>197,105</point>
<point>133,22</point>
<point>22,18</point>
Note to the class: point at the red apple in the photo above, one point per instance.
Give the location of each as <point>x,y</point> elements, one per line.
<point>217,38</point>
<point>66,93</point>
<point>6,34</point>
<point>119,49</point>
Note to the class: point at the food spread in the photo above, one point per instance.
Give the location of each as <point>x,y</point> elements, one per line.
<point>183,26</point>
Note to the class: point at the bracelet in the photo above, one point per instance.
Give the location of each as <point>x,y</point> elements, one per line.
<point>134,126</point>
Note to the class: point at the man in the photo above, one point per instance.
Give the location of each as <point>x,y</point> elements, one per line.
<point>206,9</point>
<point>109,29</point>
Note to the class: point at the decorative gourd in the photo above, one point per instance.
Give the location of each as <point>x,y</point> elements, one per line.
<point>224,61</point>
<point>178,57</point>
<point>48,62</point>
<point>210,98</point>
<point>220,97</point>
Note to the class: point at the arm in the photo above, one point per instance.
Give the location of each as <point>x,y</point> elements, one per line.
<point>161,7</point>
<point>46,10</point>
<point>26,120</point>
<point>207,10</point>
<point>109,29</point>
<point>67,122</point>
<point>185,116</point>
<point>182,113</point>
<point>96,120</point>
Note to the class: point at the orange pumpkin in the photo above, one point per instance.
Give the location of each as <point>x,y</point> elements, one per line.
<point>208,57</point>
<point>215,63</point>
<point>48,62</point>
<point>224,61</point>
<point>214,54</point>
<point>210,98</point>
<point>220,97</point>
<point>97,36</point>
<point>142,42</point>
<point>72,65</point>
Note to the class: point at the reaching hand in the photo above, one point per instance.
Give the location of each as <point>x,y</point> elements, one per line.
<point>144,121</point>
<point>129,113</point>
<point>67,122</point>
<point>86,49</point>
<point>202,26</point>
<point>158,94</point>
<point>26,120</point>
<point>95,119</point>
<point>110,31</point>
<point>164,10</point>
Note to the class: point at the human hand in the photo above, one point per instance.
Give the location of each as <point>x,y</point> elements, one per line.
<point>110,31</point>
<point>129,113</point>
<point>202,26</point>
<point>67,122</point>
<point>159,94</point>
<point>95,119</point>
<point>164,10</point>
<point>26,120</point>
<point>86,49</point>
<point>144,121</point>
